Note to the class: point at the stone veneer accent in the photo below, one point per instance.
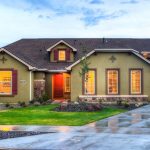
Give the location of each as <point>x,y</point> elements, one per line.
<point>114,99</point>
<point>39,88</point>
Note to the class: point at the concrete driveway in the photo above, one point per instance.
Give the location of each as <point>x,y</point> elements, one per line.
<point>127,131</point>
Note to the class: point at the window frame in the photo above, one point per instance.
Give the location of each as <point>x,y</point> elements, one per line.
<point>64,50</point>
<point>130,86</point>
<point>83,82</point>
<point>107,90</point>
<point>11,93</point>
<point>69,79</point>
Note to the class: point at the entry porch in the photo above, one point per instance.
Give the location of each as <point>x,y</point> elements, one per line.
<point>61,86</point>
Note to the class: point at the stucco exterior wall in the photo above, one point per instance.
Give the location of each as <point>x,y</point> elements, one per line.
<point>61,47</point>
<point>101,62</point>
<point>23,80</point>
<point>39,75</point>
<point>48,79</point>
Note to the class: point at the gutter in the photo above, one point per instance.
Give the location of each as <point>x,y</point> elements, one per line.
<point>121,50</point>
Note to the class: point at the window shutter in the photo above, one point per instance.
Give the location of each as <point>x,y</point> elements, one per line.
<point>14,82</point>
<point>56,55</point>
<point>68,54</point>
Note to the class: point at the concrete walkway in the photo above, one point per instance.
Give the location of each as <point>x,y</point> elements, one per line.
<point>127,131</point>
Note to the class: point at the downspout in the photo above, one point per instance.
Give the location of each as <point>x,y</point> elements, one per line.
<point>30,84</point>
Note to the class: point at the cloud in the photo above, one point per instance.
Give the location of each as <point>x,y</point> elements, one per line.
<point>97,2</point>
<point>79,18</point>
<point>130,2</point>
<point>94,17</point>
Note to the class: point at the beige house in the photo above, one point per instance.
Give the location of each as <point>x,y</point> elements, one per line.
<point>118,68</point>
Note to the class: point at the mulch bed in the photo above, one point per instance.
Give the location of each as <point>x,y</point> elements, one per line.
<point>78,107</point>
<point>14,134</point>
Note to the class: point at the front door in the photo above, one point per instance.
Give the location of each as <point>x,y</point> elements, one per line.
<point>58,86</point>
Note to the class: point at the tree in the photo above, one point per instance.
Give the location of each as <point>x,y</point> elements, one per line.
<point>84,63</point>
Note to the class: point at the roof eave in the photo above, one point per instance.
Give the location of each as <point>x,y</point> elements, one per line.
<point>47,70</point>
<point>78,61</point>
<point>115,50</point>
<point>17,58</point>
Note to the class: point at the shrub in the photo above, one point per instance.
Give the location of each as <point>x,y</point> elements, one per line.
<point>11,107</point>
<point>45,97</point>
<point>125,103</point>
<point>32,101</point>
<point>119,102</point>
<point>22,104</point>
<point>7,105</point>
<point>39,100</point>
<point>79,107</point>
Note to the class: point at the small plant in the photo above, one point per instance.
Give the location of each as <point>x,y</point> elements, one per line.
<point>11,107</point>
<point>7,105</point>
<point>32,101</point>
<point>119,102</point>
<point>126,104</point>
<point>22,104</point>
<point>45,97</point>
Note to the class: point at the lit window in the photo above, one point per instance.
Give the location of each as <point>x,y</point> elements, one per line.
<point>67,84</point>
<point>112,81</point>
<point>89,82</point>
<point>5,82</point>
<point>135,81</point>
<point>62,55</point>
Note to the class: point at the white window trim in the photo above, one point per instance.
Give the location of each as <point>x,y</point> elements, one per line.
<point>66,84</point>
<point>59,55</point>
<point>117,82</point>
<point>86,93</point>
<point>140,81</point>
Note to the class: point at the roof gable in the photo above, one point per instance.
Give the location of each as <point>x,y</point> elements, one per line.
<point>61,41</point>
<point>108,51</point>
<point>15,57</point>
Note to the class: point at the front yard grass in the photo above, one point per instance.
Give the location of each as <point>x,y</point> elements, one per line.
<point>43,115</point>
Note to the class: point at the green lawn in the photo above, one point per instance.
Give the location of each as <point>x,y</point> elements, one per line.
<point>40,115</point>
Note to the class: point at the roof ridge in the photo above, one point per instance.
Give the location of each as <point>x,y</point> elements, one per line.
<point>72,38</point>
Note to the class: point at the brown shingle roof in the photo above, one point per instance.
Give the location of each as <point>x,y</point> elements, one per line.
<point>33,51</point>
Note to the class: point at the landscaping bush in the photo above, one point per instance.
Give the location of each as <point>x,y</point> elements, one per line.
<point>7,105</point>
<point>119,102</point>
<point>32,101</point>
<point>22,104</point>
<point>44,100</point>
<point>79,107</point>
